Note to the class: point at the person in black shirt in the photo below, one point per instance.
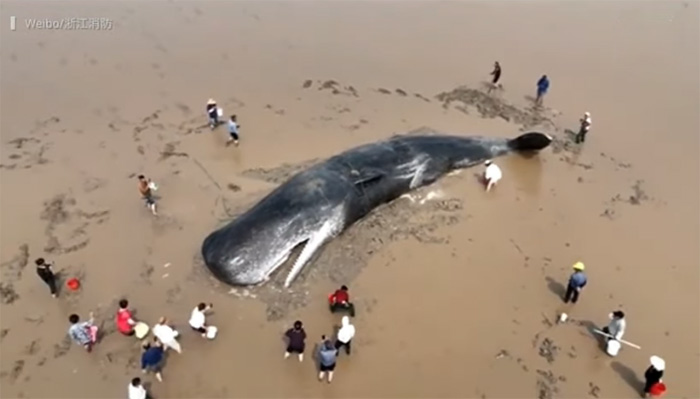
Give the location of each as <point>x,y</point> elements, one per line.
<point>653,374</point>
<point>43,269</point>
<point>496,73</point>
<point>297,338</point>
<point>213,113</point>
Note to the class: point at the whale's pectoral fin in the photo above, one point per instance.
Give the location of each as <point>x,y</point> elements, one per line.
<point>314,243</point>
<point>361,178</point>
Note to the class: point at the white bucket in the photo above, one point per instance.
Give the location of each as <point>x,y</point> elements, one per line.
<point>211,332</point>
<point>613,347</point>
<point>563,317</point>
<point>153,186</point>
<point>220,112</point>
<point>141,330</point>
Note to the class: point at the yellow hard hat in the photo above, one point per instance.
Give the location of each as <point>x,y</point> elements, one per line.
<point>579,266</point>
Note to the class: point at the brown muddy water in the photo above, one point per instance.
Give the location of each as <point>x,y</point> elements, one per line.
<point>457,290</point>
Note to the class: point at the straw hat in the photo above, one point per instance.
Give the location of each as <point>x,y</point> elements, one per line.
<point>211,101</point>
<point>657,362</point>
<point>579,266</point>
<point>587,113</point>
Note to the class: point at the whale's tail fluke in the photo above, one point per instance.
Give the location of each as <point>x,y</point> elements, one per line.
<point>531,141</point>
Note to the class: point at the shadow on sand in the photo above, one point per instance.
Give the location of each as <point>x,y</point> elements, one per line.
<point>556,287</point>
<point>628,375</point>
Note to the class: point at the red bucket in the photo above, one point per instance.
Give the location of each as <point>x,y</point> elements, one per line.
<point>331,298</point>
<point>657,390</point>
<point>73,284</point>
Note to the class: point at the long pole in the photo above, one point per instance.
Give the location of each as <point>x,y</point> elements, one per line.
<point>613,337</point>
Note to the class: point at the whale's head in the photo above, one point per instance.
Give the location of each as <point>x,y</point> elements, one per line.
<point>531,141</point>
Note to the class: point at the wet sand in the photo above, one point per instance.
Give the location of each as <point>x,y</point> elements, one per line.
<point>456,295</point>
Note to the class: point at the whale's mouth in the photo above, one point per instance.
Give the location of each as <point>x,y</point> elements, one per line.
<point>531,141</point>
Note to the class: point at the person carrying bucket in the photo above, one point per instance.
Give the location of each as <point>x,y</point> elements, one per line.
<point>653,385</point>
<point>616,329</point>
<point>212,113</point>
<point>577,281</point>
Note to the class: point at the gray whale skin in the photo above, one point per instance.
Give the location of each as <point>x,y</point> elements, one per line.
<point>317,204</point>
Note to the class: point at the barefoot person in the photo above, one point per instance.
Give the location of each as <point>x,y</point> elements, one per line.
<point>84,333</point>
<point>124,320</point>
<point>327,356</point>
<point>46,274</point>
<point>296,343</point>
<point>145,186</point>
<point>167,335</point>
<point>198,319</point>
<point>212,113</point>
<point>152,359</point>
<point>492,174</point>
<point>233,127</point>
<point>340,301</point>
<point>345,335</point>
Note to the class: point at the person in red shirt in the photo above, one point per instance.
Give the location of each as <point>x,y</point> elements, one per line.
<point>125,322</point>
<point>340,301</point>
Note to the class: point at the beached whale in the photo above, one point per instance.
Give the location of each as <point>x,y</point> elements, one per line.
<point>317,204</point>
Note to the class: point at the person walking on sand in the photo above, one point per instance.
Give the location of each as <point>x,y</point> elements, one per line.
<point>340,301</point>
<point>542,88</point>
<point>617,325</point>
<point>145,188</point>
<point>233,127</point>
<point>212,113</point>
<point>653,374</point>
<point>84,333</point>
<point>577,281</point>
<point>496,73</point>
<point>327,356</point>
<point>152,359</point>
<point>585,126</point>
<point>492,174</point>
<point>345,335</point>
<point>296,340</point>
<point>137,390</point>
<point>167,335</point>
<point>124,319</point>
<point>198,319</point>
<point>46,274</point>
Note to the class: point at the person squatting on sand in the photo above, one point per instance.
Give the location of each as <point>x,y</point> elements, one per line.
<point>345,335</point>
<point>327,355</point>
<point>145,188</point>
<point>198,319</point>
<point>492,174</point>
<point>43,269</point>
<point>167,335</point>
<point>124,320</point>
<point>577,281</point>
<point>340,301</point>
<point>84,333</point>
<point>296,340</point>
<point>137,390</point>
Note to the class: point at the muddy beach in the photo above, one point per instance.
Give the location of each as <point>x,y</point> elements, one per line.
<point>456,290</point>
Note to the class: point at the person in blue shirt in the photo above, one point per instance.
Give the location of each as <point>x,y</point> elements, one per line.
<point>152,358</point>
<point>542,88</point>
<point>233,127</point>
<point>577,281</point>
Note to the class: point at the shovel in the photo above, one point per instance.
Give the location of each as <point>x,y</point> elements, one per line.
<point>621,341</point>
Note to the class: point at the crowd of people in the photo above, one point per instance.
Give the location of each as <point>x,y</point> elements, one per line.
<point>165,336</point>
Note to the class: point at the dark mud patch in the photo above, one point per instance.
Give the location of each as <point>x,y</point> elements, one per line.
<point>548,350</point>
<point>170,150</point>
<point>8,295</point>
<point>637,197</point>
<point>12,269</point>
<point>68,223</point>
<point>337,88</point>
<point>547,384</point>
<point>307,83</point>
<point>492,107</point>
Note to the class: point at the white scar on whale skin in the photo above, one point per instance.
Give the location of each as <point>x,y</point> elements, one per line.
<point>328,230</point>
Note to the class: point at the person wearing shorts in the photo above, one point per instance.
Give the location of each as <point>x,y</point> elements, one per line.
<point>327,356</point>
<point>296,343</point>
<point>233,127</point>
<point>198,319</point>
<point>124,320</point>
<point>84,333</point>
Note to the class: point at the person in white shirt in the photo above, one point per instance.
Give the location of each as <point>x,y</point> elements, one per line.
<point>492,174</point>
<point>617,325</point>
<point>198,318</point>
<point>585,126</point>
<point>166,335</point>
<point>136,390</point>
<point>345,335</point>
